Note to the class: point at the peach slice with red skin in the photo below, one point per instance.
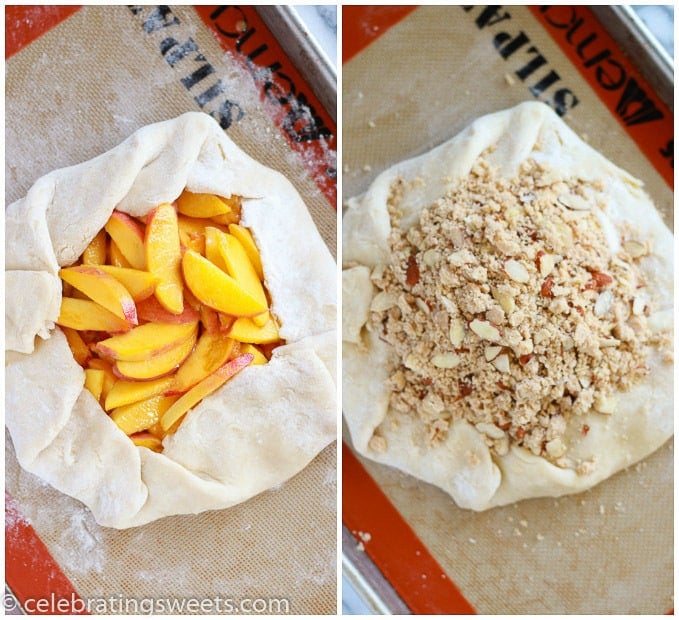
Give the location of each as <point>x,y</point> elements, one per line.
<point>217,289</point>
<point>103,288</point>
<point>145,341</point>
<point>140,284</point>
<point>211,352</point>
<point>207,386</point>
<point>163,257</point>
<point>259,358</point>
<point>160,365</point>
<point>141,415</point>
<point>128,236</point>
<point>150,310</point>
<point>147,440</point>
<point>85,315</point>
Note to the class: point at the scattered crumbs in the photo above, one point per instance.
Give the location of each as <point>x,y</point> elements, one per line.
<point>539,536</point>
<point>585,137</point>
<point>558,543</point>
<point>424,576</point>
<point>346,169</point>
<point>360,546</point>
<point>418,553</point>
<point>619,507</point>
<point>510,519</point>
<point>360,95</point>
<point>530,577</point>
<point>364,536</point>
<point>582,502</point>
<point>517,532</point>
<point>602,509</point>
<point>472,541</point>
<point>371,124</point>
<point>525,545</point>
<point>523,523</point>
<point>509,79</point>
<point>367,168</point>
<point>466,92</point>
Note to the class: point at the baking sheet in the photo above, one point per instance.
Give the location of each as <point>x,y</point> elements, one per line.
<point>608,550</point>
<point>78,89</point>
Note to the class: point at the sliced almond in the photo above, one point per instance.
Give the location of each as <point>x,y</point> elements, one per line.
<point>574,202</point>
<point>638,305</point>
<point>449,305</point>
<point>505,300</point>
<point>446,360</point>
<point>490,430</point>
<point>603,303</point>
<point>491,352</point>
<point>501,362</point>
<point>382,301</point>
<point>485,330</point>
<point>609,342</point>
<point>585,382</point>
<point>547,262</point>
<point>635,249</point>
<point>457,332</point>
<point>516,271</point>
<point>422,305</point>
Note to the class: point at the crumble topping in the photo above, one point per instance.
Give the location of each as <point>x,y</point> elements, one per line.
<point>507,308</point>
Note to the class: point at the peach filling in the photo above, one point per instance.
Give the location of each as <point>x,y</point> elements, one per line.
<point>163,310</point>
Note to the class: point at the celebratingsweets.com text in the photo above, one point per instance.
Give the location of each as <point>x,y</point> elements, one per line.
<point>119,604</point>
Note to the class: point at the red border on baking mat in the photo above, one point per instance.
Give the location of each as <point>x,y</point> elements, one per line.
<point>615,80</point>
<point>24,24</point>
<point>393,546</point>
<point>240,31</point>
<point>367,24</point>
<point>31,572</point>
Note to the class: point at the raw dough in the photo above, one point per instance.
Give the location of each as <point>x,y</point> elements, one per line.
<point>257,431</point>
<point>463,465</point>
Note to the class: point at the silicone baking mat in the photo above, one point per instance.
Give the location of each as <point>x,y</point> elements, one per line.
<point>412,78</point>
<point>79,80</point>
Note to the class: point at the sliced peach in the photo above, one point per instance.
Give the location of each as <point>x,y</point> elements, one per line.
<point>245,237</point>
<point>211,352</point>
<point>150,310</point>
<point>141,415</point>
<point>241,269</point>
<point>226,321</point>
<point>208,385</point>
<point>201,205</point>
<point>217,289</point>
<point>139,283</point>
<point>159,365</point>
<point>258,357</point>
<point>212,247</point>
<point>109,377</point>
<point>128,392</point>
<point>144,342</point>
<point>115,256</point>
<point>192,233</point>
<point>103,288</point>
<point>128,235</point>
<point>245,330</point>
<point>163,257</point>
<point>147,440</point>
<point>95,252</point>
<point>83,314</point>
<point>81,352</point>
<point>210,320</point>
<point>94,381</point>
